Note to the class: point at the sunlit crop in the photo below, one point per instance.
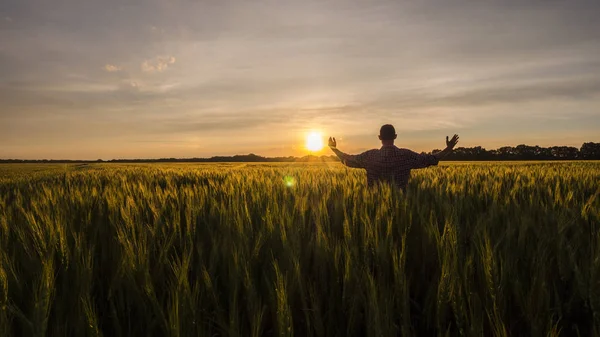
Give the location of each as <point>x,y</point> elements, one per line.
<point>487,249</point>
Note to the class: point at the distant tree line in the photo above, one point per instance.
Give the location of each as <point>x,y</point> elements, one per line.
<point>588,151</point>
<point>249,158</point>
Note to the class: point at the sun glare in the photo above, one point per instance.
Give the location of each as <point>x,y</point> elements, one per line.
<point>314,141</point>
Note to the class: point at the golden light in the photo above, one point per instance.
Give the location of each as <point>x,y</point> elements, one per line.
<point>314,141</point>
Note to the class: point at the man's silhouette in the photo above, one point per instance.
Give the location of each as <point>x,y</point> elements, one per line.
<point>390,163</point>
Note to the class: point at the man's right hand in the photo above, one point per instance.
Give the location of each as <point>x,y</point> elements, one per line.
<point>450,144</point>
<point>332,143</point>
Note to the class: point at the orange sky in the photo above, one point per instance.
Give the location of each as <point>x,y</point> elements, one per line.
<point>151,79</point>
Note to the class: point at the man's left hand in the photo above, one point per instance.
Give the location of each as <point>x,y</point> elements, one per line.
<point>332,143</point>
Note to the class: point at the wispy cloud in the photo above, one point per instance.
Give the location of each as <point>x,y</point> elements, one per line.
<point>157,64</point>
<point>8,19</point>
<point>112,68</point>
<point>128,86</point>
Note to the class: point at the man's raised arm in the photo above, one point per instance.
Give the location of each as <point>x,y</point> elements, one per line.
<point>450,144</point>
<point>424,160</point>
<point>347,159</point>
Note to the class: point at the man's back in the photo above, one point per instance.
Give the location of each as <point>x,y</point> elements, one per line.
<point>389,164</point>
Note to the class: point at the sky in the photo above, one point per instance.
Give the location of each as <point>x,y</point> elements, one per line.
<point>110,79</point>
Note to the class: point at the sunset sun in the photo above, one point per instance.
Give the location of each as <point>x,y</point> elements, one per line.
<point>314,141</point>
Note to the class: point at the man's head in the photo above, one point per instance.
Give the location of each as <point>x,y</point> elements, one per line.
<point>387,134</point>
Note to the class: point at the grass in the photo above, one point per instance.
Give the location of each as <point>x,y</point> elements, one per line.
<point>489,249</point>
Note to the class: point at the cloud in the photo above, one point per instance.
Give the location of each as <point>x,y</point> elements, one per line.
<point>157,64</point>
<point>129,86</point>
<point>338,66</point>
<point>8,19</point>
<point>112,68</point>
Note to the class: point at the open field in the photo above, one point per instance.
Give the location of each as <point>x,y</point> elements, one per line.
<point>485,249</point>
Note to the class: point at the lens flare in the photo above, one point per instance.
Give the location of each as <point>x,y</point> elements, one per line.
<point>289,181</point>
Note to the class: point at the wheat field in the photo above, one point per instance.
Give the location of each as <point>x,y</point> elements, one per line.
<point>472,249</point>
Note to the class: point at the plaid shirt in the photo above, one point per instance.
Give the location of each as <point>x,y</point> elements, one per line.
<point>389,164</point>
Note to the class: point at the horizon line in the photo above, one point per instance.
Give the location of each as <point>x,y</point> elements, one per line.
<point>4,160</point>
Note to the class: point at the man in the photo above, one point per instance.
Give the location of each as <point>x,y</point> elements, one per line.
<point>390,163</point>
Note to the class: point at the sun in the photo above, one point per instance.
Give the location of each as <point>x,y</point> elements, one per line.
<point>314,141</point>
